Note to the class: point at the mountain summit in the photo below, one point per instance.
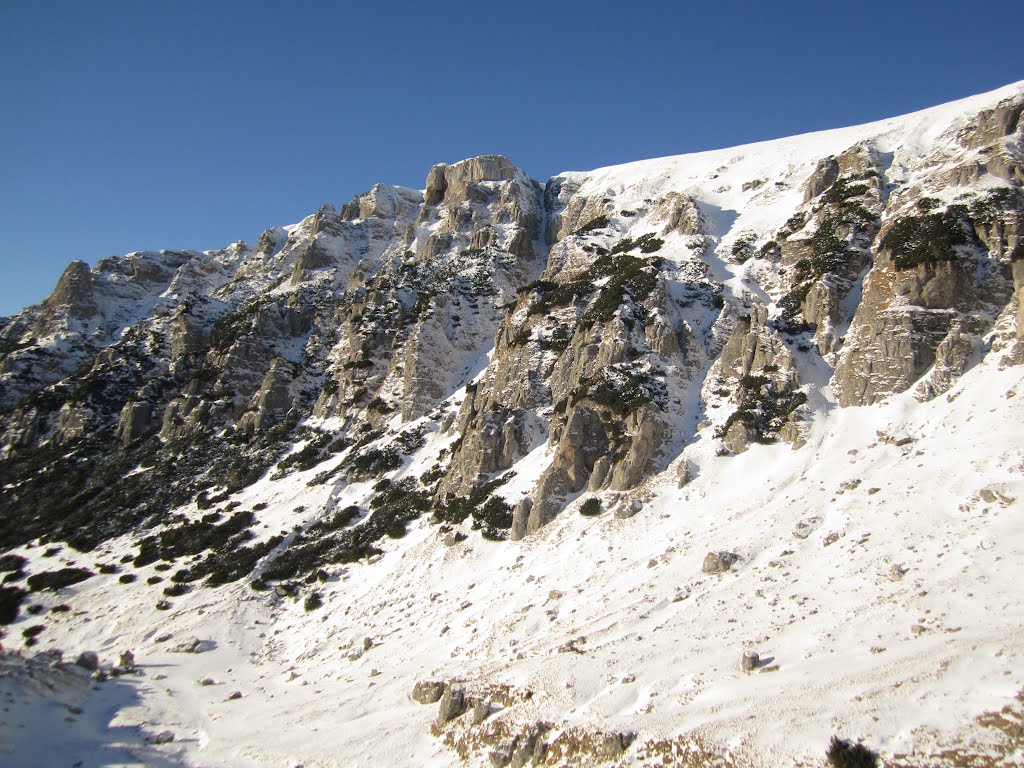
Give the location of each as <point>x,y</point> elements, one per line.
<point>583,460</point>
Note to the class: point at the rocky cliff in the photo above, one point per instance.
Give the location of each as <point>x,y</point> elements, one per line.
<point>603,321</point>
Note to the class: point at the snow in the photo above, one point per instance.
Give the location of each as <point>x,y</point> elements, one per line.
<point>817,611</point>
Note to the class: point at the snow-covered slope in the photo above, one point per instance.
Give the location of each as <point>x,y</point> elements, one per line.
<point>568,453</point>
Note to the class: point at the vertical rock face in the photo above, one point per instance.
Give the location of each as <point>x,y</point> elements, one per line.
<point>758,368</point>
<point>599,325</point>
<point>73,294</point>
<point>941,275</point>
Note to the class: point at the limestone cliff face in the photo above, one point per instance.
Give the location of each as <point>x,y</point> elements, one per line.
<point>584,335</point>
<point>588,359</point>
<point>942,270</point>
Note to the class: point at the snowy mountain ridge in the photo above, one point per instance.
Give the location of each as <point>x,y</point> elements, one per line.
<point>558,454</point>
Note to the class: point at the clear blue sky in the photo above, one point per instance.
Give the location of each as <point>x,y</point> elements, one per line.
<point>143,124</point>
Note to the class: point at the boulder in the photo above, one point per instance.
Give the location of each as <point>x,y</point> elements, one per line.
<point>611,744</point>
<point>479,713</point>
<point>88,660</point>
<point>718,562</point>
<point>749,661</point>
<point>453,704</point>
<point>428,691</point>
<point>629,509</point>
<point>806,527</point>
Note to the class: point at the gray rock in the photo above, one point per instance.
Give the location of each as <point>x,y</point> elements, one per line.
<point>135,421</point>
<point>718,562</point>
<point>428,691</point>
<point>628,510</point>
<point>480,712</point>
<point>164,737</point>
<point>88,660</point>
<point>611,744</point>
<point>824,176</point>
<point>453,538</point>
<point>806,527</point>
<point>452,704</point>
<point>520,519</point>
<point>524,748</point>
<point>193,645</point>
<point>749,661</point>
<point>500,757</point>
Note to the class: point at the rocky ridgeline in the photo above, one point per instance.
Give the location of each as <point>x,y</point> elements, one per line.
<point>509,315</point>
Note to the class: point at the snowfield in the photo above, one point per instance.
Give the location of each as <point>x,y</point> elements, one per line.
<point>894,620</point>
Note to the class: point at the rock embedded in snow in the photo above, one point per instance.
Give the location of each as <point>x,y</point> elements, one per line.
<point>480,712</point>
<point>164,737</point>
<point>612,744</point>
<point>192,645</point>
<point>428,691</point>
<point>628,510</point>
<point>749,661</point>
<point>88,660</point>
<point>718,562</point>
<point>806,527</point>
<point>452,704</point>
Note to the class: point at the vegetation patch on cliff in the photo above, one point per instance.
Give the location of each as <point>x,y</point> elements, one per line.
<point>928,238</point>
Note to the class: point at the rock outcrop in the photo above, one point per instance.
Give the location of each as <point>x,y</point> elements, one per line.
<point>599,324</point>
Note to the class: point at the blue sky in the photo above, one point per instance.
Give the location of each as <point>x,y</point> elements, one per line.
<point>136,125</point>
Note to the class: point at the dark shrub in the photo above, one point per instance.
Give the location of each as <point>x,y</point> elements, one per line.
<point>58,579</point>
<point>914,240</point>
<point>591,507</point>
<point>10,599</point>
<point>10,563</point>
<point>845,754</point>
<point>313,601</point>
<point>598,222</point>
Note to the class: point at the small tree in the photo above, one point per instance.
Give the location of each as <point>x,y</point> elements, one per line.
<point>846,754</point>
